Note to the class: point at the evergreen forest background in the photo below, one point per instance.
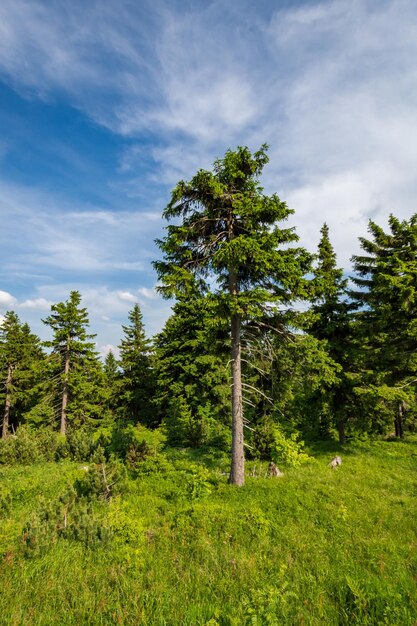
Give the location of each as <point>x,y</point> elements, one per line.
<point>322,356</point>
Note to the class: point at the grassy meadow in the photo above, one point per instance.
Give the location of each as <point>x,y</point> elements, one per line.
<point>175,544</point>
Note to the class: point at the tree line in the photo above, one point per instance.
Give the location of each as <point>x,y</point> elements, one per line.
<point>265,339</point>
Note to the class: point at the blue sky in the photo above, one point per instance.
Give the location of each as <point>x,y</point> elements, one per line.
<point>105,105</point>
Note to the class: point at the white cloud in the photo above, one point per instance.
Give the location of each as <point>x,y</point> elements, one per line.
<point>106,348</point>
<point>127,296</point>
<point>331,86</point>
<point>44,233</point>
<point>39,304</point>
<point>149,294</point>
<point>7,301</point>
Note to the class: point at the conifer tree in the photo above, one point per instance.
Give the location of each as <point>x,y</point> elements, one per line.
<point>111,368</point>
<point>331,323</point>
<point>21,358</point>
<point>228,239</point>
<point>193,385</point>
<point>135,362</point>
<point>77,368</point>
<point>386,275</point>
<point>112,383</point>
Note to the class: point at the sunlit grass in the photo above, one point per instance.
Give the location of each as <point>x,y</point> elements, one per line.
<point>318,546</point>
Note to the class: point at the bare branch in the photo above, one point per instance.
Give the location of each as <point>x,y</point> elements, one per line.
<point>261,393</point>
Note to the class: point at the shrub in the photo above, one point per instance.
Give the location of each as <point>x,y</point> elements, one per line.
<point>68,517</point>
<point>288,450</point>
<point>135,444</point>
<point>101,481</point>
<point>23,447</point>
<point>78,514</point>
<point>81,445</point>
<point>5,500</point>
<point>263,439</point>
<point>51,444</point>
<point>271,443</point>
<point>194,427</point>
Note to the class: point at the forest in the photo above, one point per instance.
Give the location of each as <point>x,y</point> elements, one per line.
<point>272,357</point>
<point>319,354</point>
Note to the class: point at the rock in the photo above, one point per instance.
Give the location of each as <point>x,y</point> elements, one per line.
<point>335,462</point>
<point>273,470</point>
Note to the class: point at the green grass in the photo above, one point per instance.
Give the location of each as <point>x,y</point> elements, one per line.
<point>318,546</point>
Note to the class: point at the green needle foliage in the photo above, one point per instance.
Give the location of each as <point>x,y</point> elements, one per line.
<point>331,324</point>
<point>21,368</point>
<point>387,328</point>
<point>135,361</point>
<point>229,240</point>
<point>77,371</point>
<point>193,383</point>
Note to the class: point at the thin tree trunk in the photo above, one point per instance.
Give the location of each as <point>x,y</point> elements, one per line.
<point>63,428</point>
<point>6,416</point>
<point>399,426</point>
<point>237,472</point>
<point>341,430</point>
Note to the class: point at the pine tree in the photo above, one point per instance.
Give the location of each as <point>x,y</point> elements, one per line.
<point>228,239</point>
<point>193,385</point>
<point>111,369</point>
<point>112,384</point>
<point>135,361</point>
<point>76,366</point>
<point>21,359</point>
<point>331,324</point>
<point>386,317</point>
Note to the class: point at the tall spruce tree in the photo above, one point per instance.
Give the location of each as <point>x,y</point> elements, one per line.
<point>113,383</point>
<point>331,323</point>
<point>229,240</point>
<point>193,384</point>
<point>386,317</point>
<point>21,359</point>
<point>77,370</point>
<point>137,385</point>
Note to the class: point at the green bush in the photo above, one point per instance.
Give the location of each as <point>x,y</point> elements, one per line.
<point>23,447</point>
<point>81,445</point>
<point>77,514</point>
<point>69,517</point>
<point>194,427</point>
<point>288,449</point>
<point>5,500</point>
<point>30,445</point>
<point>101,480</point>
<point>135,444</point>
<point>51,444</point>
<point>270,443</point>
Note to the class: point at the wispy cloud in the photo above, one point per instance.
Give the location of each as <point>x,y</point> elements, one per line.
<point>107,308</point>
<point>43,236</point>
<point>331,86</point>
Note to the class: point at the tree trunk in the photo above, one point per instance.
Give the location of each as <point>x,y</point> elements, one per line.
<point>399,426</point>
<point>237,472</point>
<point>341,431</point>
<point>63,428</point>
<point>6,416</point>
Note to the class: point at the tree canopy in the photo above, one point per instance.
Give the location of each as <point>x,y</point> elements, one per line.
<point>230,241</point>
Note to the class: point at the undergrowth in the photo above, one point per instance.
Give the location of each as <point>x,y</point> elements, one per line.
<point>172,543</point>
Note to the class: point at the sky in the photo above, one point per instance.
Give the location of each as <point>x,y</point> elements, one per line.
<point>105,105</point>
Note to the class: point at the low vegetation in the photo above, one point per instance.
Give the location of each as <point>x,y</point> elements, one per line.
<point>169,542</point>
